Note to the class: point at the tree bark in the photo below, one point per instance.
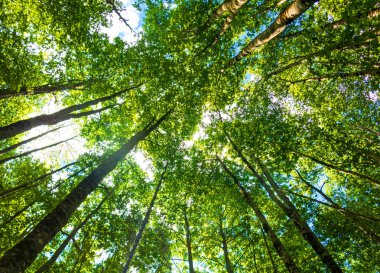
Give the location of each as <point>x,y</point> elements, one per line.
<point>46,266</point>
<point>280,249</point>
<point>188,242</point>
<point>144,222</point>
<point>300,60</point>
<point>227,260</point>
<point>2,161</point>
<point>228,21</point>
<point>18,258</point>
<point>44,89</point>
<point>64,114</point>
<point>292,12</point>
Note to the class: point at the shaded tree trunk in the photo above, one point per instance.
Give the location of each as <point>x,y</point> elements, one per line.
<point>269,252</point>
<point>44,89</point>
<point>280,249</point>
<point>292,12</point>
<point>144,222</point>
<point>334,204</point>
<point>188,241</point>
<point>227,260</point>
<point>366,72</point>
<point>353,217</point>
<point>46,266</point>
<point>23,254</point>
<point>363,42</point>
<point>64,114</point>
<point>290,210</point>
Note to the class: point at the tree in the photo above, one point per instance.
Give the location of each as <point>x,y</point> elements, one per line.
<point>268,161</point>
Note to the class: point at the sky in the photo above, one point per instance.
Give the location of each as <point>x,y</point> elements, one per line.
<point>119,29</point>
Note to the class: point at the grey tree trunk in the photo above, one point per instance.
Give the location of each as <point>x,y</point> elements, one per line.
<point>44,89</point>
<point>144,222</point>
<point>188,242</point>
<point>227,260</point>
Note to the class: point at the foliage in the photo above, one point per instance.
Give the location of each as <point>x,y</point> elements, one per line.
<point>303,108</point>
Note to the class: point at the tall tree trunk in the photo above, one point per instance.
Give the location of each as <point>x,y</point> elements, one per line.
<point>292,12</point>
<point>46,266</point>
<point>14,146</point>
<point>188,241</point>
<point>31,184</point>
<point>144,222</point>
<point>281,250</point>
<point>290,210</point>
<point>44,89</point>
<point>23,254</point>
<point>64,114</point>
<point>331,166</point>
<point>269,252</point>
<point>2,161</point>
<point>227,260</point>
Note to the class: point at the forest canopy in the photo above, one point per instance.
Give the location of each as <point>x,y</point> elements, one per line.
<point>204,136</point>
